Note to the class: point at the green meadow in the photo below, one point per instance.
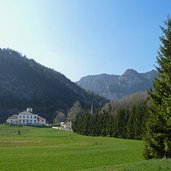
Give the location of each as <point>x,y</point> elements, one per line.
<point>47,149</point>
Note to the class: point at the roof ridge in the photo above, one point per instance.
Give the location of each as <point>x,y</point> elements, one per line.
<point>26,112</point>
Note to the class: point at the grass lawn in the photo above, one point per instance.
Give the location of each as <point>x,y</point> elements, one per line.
<point>47,149</point>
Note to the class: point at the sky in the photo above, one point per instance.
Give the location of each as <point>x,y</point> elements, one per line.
<point>85,37</point>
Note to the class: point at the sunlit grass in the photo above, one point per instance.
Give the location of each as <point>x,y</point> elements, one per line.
<point>47,149</point>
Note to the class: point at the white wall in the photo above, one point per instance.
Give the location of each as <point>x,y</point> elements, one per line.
<point>12,121</point>
<point>27,119</point>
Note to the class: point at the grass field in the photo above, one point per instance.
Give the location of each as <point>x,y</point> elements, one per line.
<point>47,149</point>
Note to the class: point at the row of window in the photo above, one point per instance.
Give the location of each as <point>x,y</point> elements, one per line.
<point>27,121</point>
<point>27,116</point>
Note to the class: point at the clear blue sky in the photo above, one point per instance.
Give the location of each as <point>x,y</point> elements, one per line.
<point>85,37</point>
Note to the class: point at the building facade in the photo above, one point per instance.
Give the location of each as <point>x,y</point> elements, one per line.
<point>26,118</point>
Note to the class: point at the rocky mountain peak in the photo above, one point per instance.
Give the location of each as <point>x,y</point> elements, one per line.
<point>118,86</point>
<point>130,72</point>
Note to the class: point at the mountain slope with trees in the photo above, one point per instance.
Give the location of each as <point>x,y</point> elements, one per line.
<point>118,86</point>
<point>26,83</point>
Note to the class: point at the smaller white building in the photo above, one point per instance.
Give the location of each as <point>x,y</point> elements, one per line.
<point>66,125</point>
<point>26,118</point>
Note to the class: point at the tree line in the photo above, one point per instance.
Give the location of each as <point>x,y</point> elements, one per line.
<point>123,119</point>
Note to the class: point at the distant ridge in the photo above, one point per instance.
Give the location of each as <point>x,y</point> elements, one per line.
<point>118,86</point>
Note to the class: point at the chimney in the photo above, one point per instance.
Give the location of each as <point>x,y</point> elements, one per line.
<point>30,110</point>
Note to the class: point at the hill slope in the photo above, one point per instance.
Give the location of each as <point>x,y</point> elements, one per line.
<point>25,83</point>
<point>118,86</point>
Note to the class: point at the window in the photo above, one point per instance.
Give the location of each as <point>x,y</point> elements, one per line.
<point>35,117</point>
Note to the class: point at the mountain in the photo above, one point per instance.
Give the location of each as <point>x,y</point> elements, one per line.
<point>118,86</point>
<point>25,83</point>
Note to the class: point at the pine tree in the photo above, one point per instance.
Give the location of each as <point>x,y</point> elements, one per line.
<point>158,126</point>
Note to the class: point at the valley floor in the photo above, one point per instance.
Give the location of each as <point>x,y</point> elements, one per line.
<point>47,149</point>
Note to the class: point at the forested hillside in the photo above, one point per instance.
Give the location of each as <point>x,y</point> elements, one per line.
<point>26,83</point>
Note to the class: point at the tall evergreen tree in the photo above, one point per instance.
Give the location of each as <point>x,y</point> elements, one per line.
<point>158,126</point>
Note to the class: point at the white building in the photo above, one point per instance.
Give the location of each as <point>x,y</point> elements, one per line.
<point>26,118</point>
<point>66,125</point>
